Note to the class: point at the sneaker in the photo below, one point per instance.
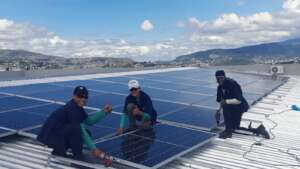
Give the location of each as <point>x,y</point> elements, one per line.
<point>225,134</point>
<point>261,130</point>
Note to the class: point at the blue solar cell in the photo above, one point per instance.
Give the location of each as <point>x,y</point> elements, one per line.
<point>118,108</point>
<point>209,101</point>
<point>27,89</point>
<point>140,150</point>
<point>193,115</point>
<point>156,93</point>
<point>202,90</point>
<point>99,131</point>
<point>179,97</point>
<point>187,98</point>
<point>20,119</point>
<point>8,103</point>
<point>34,131</point>
<point>45,110</point>
<point>110,121</point>
<point>2,96</point>
<point>109,87</point>
<point>166,107</point>
<point>62,95</point>
<point>75,83</point>
<point>100,100</point>
<point>149,147</point>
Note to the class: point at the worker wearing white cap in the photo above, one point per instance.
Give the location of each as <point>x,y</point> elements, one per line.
<point>138,107</point>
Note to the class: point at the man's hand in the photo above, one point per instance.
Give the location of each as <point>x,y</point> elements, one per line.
<point>223,102</point>
<point>107,108</point>
<point>97,153</point>
<point>137,111</point>
<point>217,117</point>
<point>107,160</point>
<point>120,131</point>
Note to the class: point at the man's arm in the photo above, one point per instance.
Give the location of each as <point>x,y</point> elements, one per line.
<point>148,108</point>
<point>219,94</point>
<point>87,138</point>
<point>237,94</point>
<point>95,118</point>
<point>123,121</point>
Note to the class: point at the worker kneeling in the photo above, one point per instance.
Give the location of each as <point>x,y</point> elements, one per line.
<point>138,109</point>
<point>231,99</point>
<point>66,127</point>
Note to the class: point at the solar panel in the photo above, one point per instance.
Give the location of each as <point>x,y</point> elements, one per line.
<point>28,89</point>
<point>100,100</point>
<point>202,90</point>
<point>98,132</point>
<point>151,147</point>
<point>14,102</point>
<point>166,107</point>
<point>192,115</point>
<point>178,97</point>
<point>20,119</point>
<point>111,120</point>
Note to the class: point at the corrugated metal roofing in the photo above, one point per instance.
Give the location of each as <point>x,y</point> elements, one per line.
<point>248,151</point>
<point>242,151</point>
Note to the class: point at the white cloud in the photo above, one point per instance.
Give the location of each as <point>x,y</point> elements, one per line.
<point>227,30</point>
<point>292,5</point>
<point>233,30</point>
<point>147,25</point>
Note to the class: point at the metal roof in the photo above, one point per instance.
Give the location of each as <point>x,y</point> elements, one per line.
<point>242,151</point>
<point>248,151</point>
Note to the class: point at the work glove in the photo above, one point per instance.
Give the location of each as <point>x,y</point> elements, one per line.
<point>107,160</point>
<point>120,131</point>
<point>107,108</point>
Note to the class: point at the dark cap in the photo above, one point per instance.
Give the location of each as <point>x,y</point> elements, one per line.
<point>81,91</point>
<point>220,73</point>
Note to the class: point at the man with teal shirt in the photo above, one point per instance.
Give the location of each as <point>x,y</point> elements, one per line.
<point>66,129</point>
<point>138,108</point>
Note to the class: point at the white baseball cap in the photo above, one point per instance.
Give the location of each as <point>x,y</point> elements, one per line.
<point>133,84</point>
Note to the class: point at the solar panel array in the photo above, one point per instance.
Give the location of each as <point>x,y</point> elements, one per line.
<point>181,98</point>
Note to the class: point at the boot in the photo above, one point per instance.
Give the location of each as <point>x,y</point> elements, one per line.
<point>261,130</point>
<point>225,134</point>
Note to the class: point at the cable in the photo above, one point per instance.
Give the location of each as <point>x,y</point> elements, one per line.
<point>260,143</point>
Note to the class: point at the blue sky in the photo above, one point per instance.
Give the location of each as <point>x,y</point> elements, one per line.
<point>121,18</point>
<point>143,29</point>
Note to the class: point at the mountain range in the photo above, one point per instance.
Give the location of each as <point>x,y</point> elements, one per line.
<point>23,59</point>
<point>288,49</point>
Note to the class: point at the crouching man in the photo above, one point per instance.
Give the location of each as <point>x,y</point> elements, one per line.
<point>138,109</point>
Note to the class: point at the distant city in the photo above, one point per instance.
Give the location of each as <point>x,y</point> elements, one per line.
<point>286,52</point>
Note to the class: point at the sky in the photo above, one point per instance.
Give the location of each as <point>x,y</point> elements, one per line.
<point>143,29</point>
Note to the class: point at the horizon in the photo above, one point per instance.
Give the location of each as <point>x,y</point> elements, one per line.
<point>144,30</point>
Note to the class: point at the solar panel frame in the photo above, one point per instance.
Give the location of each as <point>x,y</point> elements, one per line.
<point>6,132</point>
<point>184,149</point>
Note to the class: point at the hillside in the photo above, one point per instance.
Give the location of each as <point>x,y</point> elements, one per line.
<point>25,59</point>
<point>245,55</point>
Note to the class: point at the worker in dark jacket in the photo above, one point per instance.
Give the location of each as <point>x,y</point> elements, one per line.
<point>138,107</point>
<point>233,103</point>
<point>65,127</point>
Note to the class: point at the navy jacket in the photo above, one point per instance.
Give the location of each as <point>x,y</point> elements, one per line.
<point>232,90</point>
<point>53,131</point>
<point>144,103</point>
